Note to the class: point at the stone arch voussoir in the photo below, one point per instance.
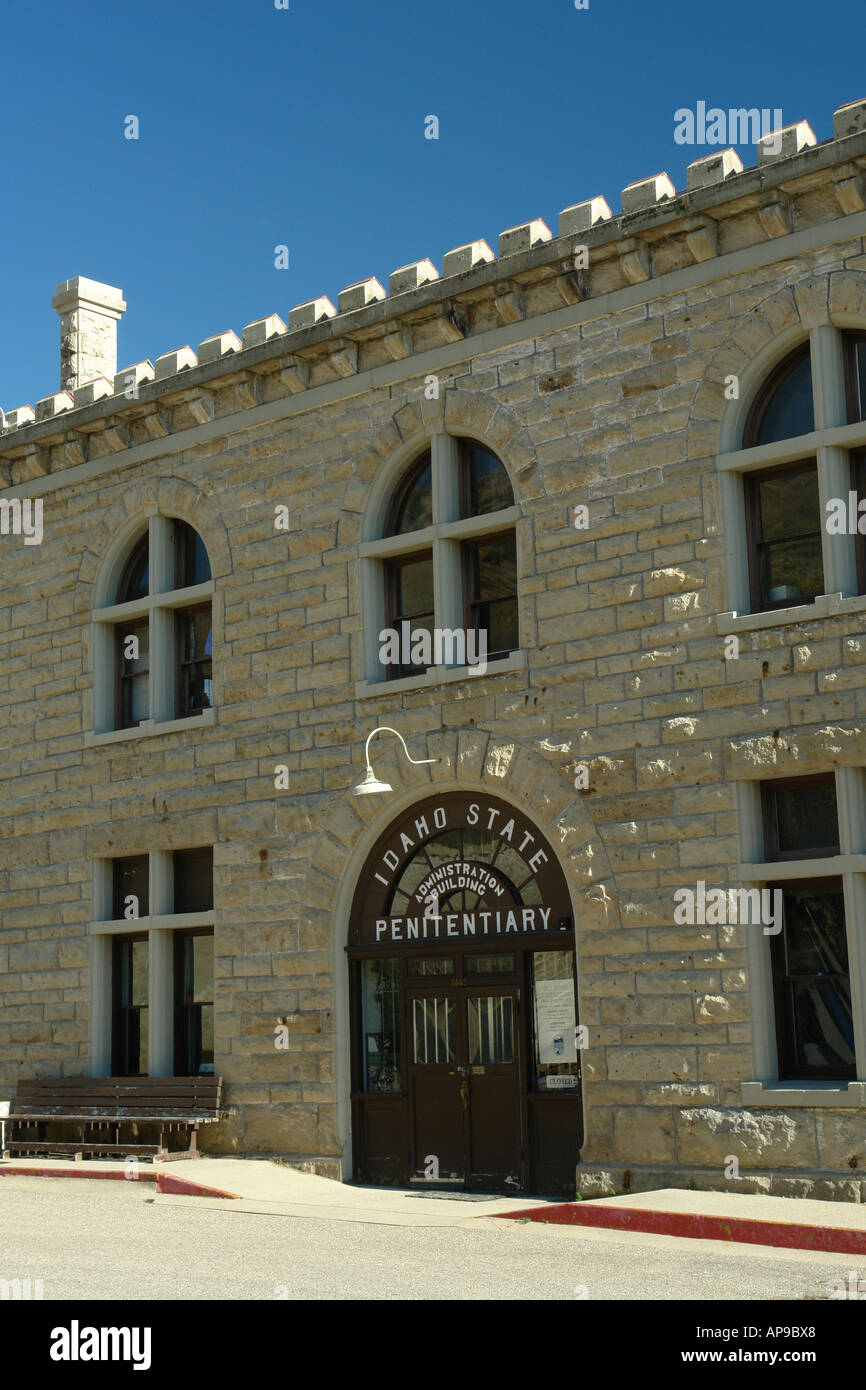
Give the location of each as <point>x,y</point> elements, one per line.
<point>769,330</point>
<point>169,496</point>
<point>474,759</point>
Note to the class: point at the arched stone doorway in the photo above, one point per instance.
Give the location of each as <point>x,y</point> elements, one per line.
<point>465,1063</point>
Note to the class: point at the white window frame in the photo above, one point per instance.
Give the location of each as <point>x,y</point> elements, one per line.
<point>158,608</point>
<point>829,444</point>
<point>160,924</point>
<point>443,538</point>
<point>849,865</point>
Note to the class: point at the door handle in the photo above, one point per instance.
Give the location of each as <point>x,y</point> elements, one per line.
<point>464,1093</point>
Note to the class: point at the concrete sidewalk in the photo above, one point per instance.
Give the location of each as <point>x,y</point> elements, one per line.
<point>259,1185</point>
<point>268,1188</point>
<point>749,1218</point>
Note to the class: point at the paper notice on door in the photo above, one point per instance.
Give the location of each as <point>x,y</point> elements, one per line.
<point>554,1012</point>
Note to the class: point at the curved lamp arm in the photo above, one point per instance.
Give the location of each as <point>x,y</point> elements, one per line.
<point>386,729</point>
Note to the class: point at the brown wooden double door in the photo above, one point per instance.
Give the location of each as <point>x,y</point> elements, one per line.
<point>463,1072</point>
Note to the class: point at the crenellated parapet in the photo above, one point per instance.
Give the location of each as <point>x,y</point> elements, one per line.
<point>796,183</point>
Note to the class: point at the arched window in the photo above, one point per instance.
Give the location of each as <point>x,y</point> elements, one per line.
<point>448,596</point>
<point>783,408</point>
<point>154,642</point>
<point>793,491</point>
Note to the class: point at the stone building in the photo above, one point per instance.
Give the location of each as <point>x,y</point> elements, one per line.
<point>629,455</point>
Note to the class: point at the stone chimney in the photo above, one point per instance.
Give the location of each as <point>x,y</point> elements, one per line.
<point>88,330</point>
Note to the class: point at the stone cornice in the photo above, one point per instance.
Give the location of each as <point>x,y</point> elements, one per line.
<point>533,275</point>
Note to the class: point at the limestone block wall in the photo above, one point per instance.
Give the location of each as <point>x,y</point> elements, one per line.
<point>621,409</point>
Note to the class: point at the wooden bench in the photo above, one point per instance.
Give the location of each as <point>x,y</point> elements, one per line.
<point>100,1106</point>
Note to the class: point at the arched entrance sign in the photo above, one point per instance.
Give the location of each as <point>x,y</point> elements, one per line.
<point>465,1045</point>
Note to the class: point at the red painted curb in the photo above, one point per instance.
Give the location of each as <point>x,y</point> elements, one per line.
<point>71,1173</point>
<point>747,1230</point>
<point>183,1187</point>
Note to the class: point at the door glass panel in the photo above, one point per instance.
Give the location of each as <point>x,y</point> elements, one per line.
<point>491,1030</point>
<point>431,966</point>
<point>380,981</point>
<point>554,1020</point>
<point>433,1030</point>
<point>489,965</point>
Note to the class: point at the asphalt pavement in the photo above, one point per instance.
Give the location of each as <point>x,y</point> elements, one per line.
<point>117,1241</point>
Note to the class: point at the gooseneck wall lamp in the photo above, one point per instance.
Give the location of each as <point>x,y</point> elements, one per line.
<point>371,782</point>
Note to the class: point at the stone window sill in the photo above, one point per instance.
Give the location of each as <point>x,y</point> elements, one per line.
<point>149,727</point>
<point>824,606</point>
<point>440,675</point>
<point>804,1093</point>
<point>168,921</point>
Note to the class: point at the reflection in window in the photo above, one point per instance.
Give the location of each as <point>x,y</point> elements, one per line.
<point>129,1030</point>
<point>785,557</point>
<point>194,987</point>
<point>412,506</point>
<point>380,1011</point>
<point>855,376</point>
<point>133,656</point>
<point>410,600</point>
<point>800,818</point>
<point>193,879</point>
<point>492,589</point>
<point>784,408</point>
<point>489,965</point>
<point>431,965</point>
<point>129,883</point>
<point>814,1027</point>
<point>195,661</point>
<point>485,486</point>
<point>490,1029</point>
<point>135,579</point>
<point>191,563</point>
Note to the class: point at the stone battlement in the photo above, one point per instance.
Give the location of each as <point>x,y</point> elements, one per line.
<point>797,183</point>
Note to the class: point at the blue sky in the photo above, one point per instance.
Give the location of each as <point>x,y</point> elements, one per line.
<point>305,127</point>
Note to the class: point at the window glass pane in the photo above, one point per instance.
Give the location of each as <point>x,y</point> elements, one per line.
<point>130,1011</point>
<point>815,938</point>
<point>206,1046</point>
<point>414,586</point>
<point>790,505</point>
<point>795,570</point>
<point>134,638</point>
<point>129,879</point>
<point>823,1035</point>
<point>380,999</point>
<point>193,879</point>
<point>489,489</point>
<point>197,634</point>
<point>193,565</point>
<point>806,817</point>
<point>202,969</point>
<point>429,966</point>
<point>138,988</point>
<point>495,567</point>
<point>789,410</point>
<point>860,380</point>
<point>814,1022</point>
<point>135,580</point>
<point>433,1030</point>
<point>555,1049</point>
<point>489,965</point>
<point>500,620</point>
<point>490,1025</point>
<point>415,507</point>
